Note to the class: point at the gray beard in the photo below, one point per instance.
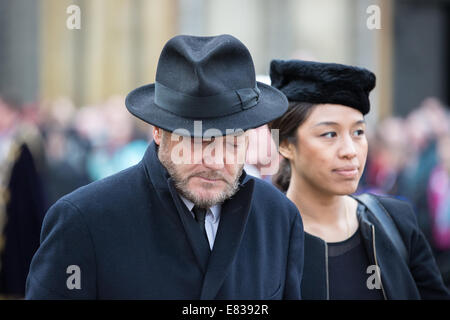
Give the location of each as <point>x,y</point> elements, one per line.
<point>181,185</point>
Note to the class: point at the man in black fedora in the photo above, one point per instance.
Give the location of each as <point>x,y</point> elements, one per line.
<point>186,222</point>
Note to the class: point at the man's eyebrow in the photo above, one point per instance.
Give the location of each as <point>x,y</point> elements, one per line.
<point>332,123</point>
<point>235,134</point>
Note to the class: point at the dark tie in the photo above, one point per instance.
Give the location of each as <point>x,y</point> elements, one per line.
<point>200,214</point>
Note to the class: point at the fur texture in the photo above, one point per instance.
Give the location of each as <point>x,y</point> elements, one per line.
<point>317,82</point>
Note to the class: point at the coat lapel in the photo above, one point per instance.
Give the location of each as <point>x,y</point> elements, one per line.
<point>196,239</point>
<point>167,194</point>
<point>232,224</point>
<point>234,214</point>
<point>388,259</point>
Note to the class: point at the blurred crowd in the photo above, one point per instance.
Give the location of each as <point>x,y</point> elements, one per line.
<point>410,158</point>
<point>46,151</point>
<point>81,145</point>
<point>72,146</point>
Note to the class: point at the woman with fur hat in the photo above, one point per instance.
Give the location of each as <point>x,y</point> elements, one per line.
<point>356,247</point>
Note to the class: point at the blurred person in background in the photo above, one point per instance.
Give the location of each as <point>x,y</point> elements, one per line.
<point>262,159</point>
<point>386,158</point>
<point>118,145</point>
<point>262,156</point>
<point>424,126</point>
<point>87,143</point>
<point>66,149</point>
<point>439,206</point>
<point>401,162</point>
<point>22,198</point>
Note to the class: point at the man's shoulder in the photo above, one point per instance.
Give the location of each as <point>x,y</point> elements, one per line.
<point>268,195</point>
<point>270,189</point>
<point>109,190</point>
<point>271,208</point>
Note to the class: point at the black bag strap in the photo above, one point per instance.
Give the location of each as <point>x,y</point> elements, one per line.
<point>372,203</point>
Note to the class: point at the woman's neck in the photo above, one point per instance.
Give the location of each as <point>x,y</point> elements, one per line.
<point>328,216</point>
<point>315,204</point>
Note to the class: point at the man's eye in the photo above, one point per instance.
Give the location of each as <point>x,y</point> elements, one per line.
<point>197,141</point>
<point>329,135</point>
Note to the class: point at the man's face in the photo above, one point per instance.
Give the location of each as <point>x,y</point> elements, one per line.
<point>205,172</point>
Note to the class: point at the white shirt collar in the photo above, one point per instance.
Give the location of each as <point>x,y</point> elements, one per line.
<point>214,210</point>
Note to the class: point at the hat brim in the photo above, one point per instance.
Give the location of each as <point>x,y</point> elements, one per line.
<point>271,105</point>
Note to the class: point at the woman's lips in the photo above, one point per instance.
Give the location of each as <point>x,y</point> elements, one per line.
<point>347,171</point>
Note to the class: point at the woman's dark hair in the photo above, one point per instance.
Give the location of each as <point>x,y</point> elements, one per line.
<point>287,125</point>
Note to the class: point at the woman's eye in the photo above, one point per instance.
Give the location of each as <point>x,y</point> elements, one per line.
<point>329,135</point>
<point>359,132</point>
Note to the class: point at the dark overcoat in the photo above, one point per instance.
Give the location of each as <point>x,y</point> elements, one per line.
<point>130,236</point>
<point>24,211</point>
<point>417,277</point>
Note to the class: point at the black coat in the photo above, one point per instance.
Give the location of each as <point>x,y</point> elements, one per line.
<point>133,238</point>
<point>24,211</point>
<point>418,279</point>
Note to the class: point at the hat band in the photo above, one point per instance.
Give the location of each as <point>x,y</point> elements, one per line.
<point>219,105</point>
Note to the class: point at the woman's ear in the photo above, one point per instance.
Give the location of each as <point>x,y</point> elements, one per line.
<point>286,149</point>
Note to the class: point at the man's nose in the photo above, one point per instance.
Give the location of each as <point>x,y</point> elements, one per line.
<point>213,156</point>
<point>213,161</point>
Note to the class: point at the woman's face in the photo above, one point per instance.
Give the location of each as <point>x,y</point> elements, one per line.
<point>331,149</point>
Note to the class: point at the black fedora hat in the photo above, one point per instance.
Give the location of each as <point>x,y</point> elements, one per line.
<point>207,79</point>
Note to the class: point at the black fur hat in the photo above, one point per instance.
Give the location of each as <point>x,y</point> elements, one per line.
<point>315,82</point>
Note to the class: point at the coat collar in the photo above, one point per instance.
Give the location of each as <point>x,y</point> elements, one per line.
<point>395,276</point>
<point>234,215</point>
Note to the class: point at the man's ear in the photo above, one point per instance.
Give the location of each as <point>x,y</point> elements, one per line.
<point>157,135</point>
<point>286,149</point>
